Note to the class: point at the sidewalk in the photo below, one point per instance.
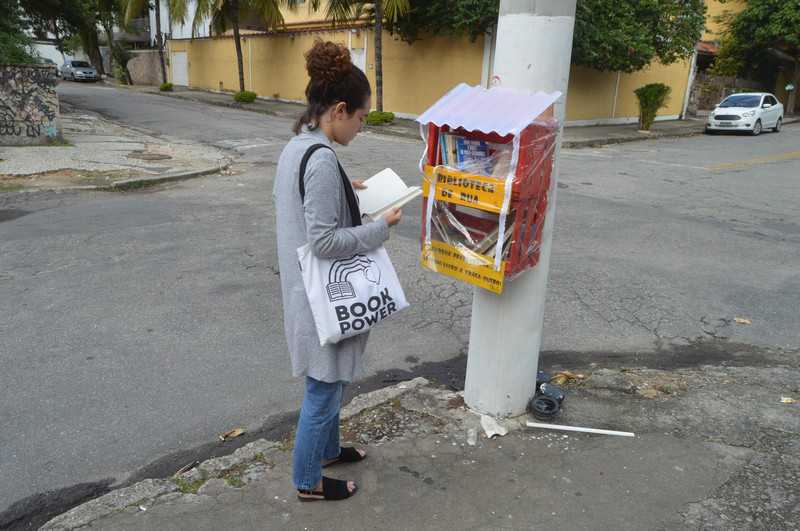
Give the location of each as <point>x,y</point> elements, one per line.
<point>574,137</point>
<point>715,448</point>
<point>99,154</point>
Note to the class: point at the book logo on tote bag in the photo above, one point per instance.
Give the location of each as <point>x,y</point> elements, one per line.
<point>339,288</point>
<point>358,315</point>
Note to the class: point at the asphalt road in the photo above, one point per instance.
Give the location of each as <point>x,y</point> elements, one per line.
<point>136,326</point>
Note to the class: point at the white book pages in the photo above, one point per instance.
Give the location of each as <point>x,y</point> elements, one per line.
<point>385,190</point>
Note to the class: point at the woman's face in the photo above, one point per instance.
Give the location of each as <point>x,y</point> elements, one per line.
<point>345,125</point>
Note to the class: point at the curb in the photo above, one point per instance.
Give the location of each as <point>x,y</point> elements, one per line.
<point>246,464</point>
<point>598,142</point>
<point>235,105</point>
<point>142,182</point>
<point>568,144</point>
<point>131,184</point>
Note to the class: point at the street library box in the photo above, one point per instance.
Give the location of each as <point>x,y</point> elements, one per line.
<point>487,169</point>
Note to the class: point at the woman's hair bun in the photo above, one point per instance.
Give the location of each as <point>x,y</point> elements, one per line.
<point>328,62</point>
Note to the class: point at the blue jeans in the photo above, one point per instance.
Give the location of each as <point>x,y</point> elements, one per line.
<point>317,436</point>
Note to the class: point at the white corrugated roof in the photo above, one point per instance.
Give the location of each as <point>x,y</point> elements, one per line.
<point>500,110</point>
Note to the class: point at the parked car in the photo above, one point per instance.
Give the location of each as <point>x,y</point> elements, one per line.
<point>752,112</point>
<point>79,71</point>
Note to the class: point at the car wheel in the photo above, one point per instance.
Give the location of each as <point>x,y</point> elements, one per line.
<point>777,127</point>
<point>756,128</point>
<point>710,131</point>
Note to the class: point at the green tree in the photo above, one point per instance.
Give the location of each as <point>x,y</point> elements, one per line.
<point>229,13</point>
<point>452,18</point>
<point>759,39</point>
<point>15,45</point>
<point>389,11</point>
<point>627,35</point>
<point>71,17</point>
<point>616,35</point>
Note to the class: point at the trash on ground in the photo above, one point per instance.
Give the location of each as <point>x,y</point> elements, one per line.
<point>186,468</point>
<point>231,434</point>
<point>541,378</point>
<point>743,320</point>
<point>583,430</point>
<point>553,391</point>
<point>562,377</point>
<point>142,508</point>
<point>491,427</point>
<point>544,407</point>
<point>788,400</point>
<point>472,436</point>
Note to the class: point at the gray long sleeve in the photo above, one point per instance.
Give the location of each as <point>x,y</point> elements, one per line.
<point>321,207</point>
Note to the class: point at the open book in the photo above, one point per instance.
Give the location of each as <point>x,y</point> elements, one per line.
<point>385,190</point>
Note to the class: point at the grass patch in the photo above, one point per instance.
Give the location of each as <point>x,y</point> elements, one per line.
<point>380,118</point>
<point>234,481</point>
<point>165,87</point>
<point>245,96</point>
<point>6,188</point>
<point>188,487</point>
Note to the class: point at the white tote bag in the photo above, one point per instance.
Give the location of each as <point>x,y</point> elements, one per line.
<point>351,295</point>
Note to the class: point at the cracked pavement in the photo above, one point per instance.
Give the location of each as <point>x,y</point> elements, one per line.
<point>145,323</point>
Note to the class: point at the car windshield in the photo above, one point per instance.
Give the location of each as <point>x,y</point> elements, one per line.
<point>741,101</point>
<point>81,64</point>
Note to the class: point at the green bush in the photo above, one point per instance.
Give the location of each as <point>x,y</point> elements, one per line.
<point>245,96</point>
<point>652,97</point>
<point>380,118</point>
<point>165,87</point>
<point>119,75</point>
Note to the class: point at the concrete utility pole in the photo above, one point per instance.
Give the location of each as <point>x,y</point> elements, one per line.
<point>533,51</point>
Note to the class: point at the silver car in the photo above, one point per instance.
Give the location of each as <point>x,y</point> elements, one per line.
<point>751,112</point>
<point>79,71</point>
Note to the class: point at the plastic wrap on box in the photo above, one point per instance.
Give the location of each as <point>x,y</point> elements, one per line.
<point>485,200</point>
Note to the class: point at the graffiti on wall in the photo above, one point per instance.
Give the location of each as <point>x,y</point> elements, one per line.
<point>29,111</point>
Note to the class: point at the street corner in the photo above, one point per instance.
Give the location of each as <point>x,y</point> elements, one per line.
<point>100,154</point>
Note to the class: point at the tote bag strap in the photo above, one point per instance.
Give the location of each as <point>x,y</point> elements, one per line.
<point>352,203</point>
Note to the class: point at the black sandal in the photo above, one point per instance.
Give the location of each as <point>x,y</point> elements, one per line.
<point>347,454</point>
<point>332,489</point>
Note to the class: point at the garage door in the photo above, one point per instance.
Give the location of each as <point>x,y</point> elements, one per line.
<point>180,69</point>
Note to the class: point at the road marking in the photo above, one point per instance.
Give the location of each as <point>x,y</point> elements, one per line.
<point>672,164</point>
<point>789,155</point>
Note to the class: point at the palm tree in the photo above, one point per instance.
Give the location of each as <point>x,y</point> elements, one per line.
<point>225,13</point>
<point>133,8</point>
<point>343,11</point>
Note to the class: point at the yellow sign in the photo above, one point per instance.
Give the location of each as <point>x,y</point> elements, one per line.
<point>464,265</point>
<point>467,189</point>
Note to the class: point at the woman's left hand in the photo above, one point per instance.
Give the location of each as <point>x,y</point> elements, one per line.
<point>359,184</point>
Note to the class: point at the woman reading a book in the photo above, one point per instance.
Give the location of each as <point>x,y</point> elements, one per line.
<point>338,101</point>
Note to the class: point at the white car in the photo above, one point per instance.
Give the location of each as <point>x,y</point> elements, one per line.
<point>752,112</point>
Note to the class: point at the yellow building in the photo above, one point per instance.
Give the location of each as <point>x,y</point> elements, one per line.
<point>414,76</point>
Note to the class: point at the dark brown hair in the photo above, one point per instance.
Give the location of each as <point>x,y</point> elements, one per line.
<point>334,78</point>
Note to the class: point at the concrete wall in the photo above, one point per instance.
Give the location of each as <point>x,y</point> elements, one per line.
<point>414,76</point>
<point>29,111</point>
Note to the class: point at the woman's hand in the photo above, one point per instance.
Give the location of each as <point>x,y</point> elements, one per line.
<point>359,184</point>
<point>393,216</point>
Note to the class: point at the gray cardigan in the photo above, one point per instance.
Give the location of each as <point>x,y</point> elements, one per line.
<point>323,220</point>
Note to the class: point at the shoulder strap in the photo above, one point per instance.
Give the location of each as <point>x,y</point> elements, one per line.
<point>352,203</point>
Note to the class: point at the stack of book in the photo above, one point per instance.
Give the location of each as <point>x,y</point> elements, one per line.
<point>474,156</point>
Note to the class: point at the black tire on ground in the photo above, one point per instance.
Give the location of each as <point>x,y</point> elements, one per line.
<point>778,124</point>
<point>756,128</point>
<point>710,131</point>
